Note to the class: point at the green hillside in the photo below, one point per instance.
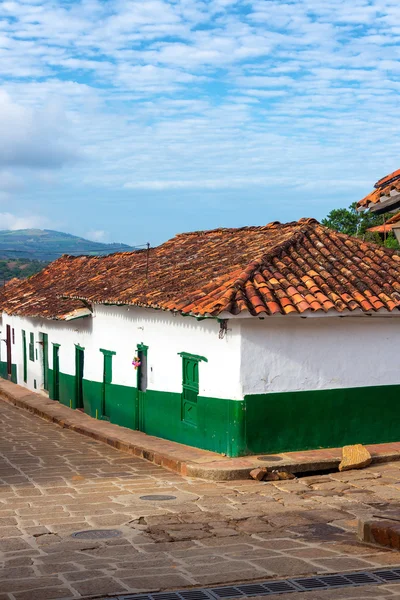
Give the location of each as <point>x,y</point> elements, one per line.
<point>47,245</point>
<point>20,268</point>
<point>24,252</point>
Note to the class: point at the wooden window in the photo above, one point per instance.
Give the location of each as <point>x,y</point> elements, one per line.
<point>32,347</point>
<point>13,336</point>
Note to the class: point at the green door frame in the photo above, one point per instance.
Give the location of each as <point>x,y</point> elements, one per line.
<point>56,372</point>
<point>141,387</point>
<point>25,357</point>
<point>79,367</point>
<point>107,380</point>
<point>45,359</point>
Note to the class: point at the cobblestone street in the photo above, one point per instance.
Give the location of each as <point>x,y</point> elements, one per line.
<point>55,482</point>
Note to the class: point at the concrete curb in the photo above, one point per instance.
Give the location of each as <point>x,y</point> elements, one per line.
<point>186,460</point>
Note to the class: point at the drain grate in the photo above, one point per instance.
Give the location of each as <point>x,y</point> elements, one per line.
<point>226,592</point>
<point>335,580</point>
<point>157,497</point>
<point>97,534</point>
<point>194,595</point>
<point>252,589</point>
<point>392,575</point>
<point>280,587</point>
<point>362,578</point>
<point>310,583</point>
<point>272,588</point>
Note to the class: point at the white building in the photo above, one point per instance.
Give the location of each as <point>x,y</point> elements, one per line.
<point>251,340</point>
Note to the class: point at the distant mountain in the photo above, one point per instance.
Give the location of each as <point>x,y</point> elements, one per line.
<point>47,245</point>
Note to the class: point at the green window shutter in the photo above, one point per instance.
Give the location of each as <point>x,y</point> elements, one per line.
<point>32,347</point>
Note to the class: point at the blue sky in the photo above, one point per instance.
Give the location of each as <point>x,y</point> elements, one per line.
<point>134,120</point>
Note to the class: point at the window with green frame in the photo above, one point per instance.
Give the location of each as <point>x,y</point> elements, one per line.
<point>32,347</point>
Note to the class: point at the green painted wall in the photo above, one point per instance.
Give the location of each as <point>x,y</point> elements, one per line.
<point>92,393</point>
<point>51,383</point>
<point>3,371</point>
<point>121,402</point>
<point>280,422</point>
<point>220,422</point>
<point>67,390</point>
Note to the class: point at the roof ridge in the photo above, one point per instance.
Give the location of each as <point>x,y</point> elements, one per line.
<point>268,226</point>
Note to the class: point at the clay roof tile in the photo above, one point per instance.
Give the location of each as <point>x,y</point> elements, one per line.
<point>278,268</point>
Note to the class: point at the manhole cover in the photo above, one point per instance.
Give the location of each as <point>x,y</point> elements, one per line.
<point>270,458</point>
<point>97,534</point>
<point>157,498</point>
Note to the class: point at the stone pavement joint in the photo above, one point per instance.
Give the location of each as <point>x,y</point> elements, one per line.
<point>185,460</point>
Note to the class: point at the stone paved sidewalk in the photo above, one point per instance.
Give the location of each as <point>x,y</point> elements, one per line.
<point>54,482</point>
<point>185,460</point>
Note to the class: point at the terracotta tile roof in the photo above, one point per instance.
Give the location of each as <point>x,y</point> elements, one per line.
<point>274,269</point>
<point>39,295</point>
<point>388,225</point>
<point>383,187</point>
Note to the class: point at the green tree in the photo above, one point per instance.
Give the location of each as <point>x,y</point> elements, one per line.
<point>350,221</point>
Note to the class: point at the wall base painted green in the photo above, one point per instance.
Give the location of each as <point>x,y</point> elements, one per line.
<point>219,422</point>
<point>120,402</point>
<point>289,421</point>
<point>3,371</point>
<point>67,390</point>
<point>264,423</point>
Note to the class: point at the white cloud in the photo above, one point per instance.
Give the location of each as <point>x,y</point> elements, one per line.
<point>97,235</point>
<point>13,222</point>
<point>33,138</point>
<point>193,94</point>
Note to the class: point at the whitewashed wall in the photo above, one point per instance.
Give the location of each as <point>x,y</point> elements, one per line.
<point>255,357</point>
<point>121,329</point>
<point>65,334</point>
<point>290,353</point>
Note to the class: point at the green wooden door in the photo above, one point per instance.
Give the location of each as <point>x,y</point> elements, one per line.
<point>56,373</point>
<point>8,344</point>
<point>107,380</point>
<point>141,388</point>
<point>79,366</point>
<point>25,356</point>
<point>45,360</point>
<point>190,385</point>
